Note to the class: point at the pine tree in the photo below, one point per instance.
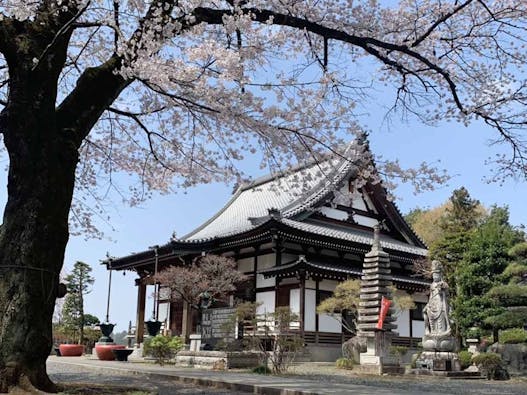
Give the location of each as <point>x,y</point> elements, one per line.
<point>509,297</point>
<point>462,216</point>
<point>484,260</point>
<point>79,283</point>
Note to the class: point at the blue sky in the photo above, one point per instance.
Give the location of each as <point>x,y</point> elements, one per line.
<point>462,151</point>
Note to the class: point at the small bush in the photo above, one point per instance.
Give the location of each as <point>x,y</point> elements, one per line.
<point>415,357</point>
<point>474,333</point>
<point>262,370</point>
<point>163,348</point>
<point>344,363</point>
<point>465,359</point>
<point>489,363</point>
<point>398,350</point>
<point>513,336</point>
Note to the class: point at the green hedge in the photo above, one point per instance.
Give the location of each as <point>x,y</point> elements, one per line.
<point>465,359</point>
<point>344,363</point>
<point>513,336</point>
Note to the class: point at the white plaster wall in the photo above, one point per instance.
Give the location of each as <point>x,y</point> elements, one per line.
<point>311,284</point>
<point>310,310</point>
<point>266,301</point>
<point>334,213</point>
<point>365,221</point>
<point>327,285</point>
<point>163,311</point>
<point>265,261</point>
<point>370,203</point>
<point>327,323</point>
<point>418,328</point>
<point>294,305</point>
<point>294,300</point>
<point>358,203</point>
<point>403,323</point>
<point>245,265</point>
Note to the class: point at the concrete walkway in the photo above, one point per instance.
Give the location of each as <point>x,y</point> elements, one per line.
<point>262,384</point>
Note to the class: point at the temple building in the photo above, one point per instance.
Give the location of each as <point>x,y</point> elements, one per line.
<point>296,235</point>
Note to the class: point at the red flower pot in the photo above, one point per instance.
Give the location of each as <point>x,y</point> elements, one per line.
<point>71,350</point>
<point>104,351</point>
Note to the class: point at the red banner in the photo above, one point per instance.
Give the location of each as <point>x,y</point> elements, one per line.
<point>385,306</point>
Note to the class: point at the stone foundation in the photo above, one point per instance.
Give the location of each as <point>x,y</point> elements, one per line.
<point>439,361</point>
<point>217,359</point>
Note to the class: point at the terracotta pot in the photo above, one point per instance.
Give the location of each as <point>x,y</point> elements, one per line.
<point>71,350</point>
<point>104,351</point>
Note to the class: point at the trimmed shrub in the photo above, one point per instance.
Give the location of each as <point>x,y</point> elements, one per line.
<point>344,363</point>
<point>489,364</point>
<point>465,359</point>
<point>513,336</point>
<point>398,350</point>
<point>163,348</point>
<point>262,370</point>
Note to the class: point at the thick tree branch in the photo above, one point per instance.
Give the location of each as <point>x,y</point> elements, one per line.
<point>96,89</point>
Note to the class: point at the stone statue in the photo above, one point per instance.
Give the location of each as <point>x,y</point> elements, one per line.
<point>436,313</point>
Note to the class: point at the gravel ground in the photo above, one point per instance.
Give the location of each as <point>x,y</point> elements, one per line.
<point>70,373</point>
<point>326,372</point>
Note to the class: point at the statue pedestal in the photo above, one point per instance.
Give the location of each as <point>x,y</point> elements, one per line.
<point>439,361</point>
<point>377,358</point>
<point>439,342</point>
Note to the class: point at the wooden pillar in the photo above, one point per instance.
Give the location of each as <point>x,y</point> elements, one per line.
<point>140,317</point>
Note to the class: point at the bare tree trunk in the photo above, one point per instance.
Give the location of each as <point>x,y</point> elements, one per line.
<point>34,232</point>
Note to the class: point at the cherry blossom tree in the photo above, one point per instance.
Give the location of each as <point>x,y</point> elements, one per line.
<point>168,94</point>
<point>216,275</point>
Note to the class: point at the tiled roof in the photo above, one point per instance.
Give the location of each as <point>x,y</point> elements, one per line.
<point>302,262</point>
<point>289,193</point>
<point>354,235</point>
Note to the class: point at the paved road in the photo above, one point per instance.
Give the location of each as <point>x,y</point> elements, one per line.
<point>305,379</point>
<point>67,373</point>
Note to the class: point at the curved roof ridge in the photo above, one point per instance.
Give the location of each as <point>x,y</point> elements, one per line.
<point>290,192</point>
<point>211,219</point>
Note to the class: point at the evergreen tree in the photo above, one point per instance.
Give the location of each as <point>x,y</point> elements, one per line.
<point>484,260</point>
<point>462,215</point>
<point>509,298</point>
<point>79,283</point>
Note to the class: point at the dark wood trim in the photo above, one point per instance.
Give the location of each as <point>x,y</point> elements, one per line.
<point>302,290</point>
<point>255,271</point>
<point>317,302</point>
<point>266,289</point>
